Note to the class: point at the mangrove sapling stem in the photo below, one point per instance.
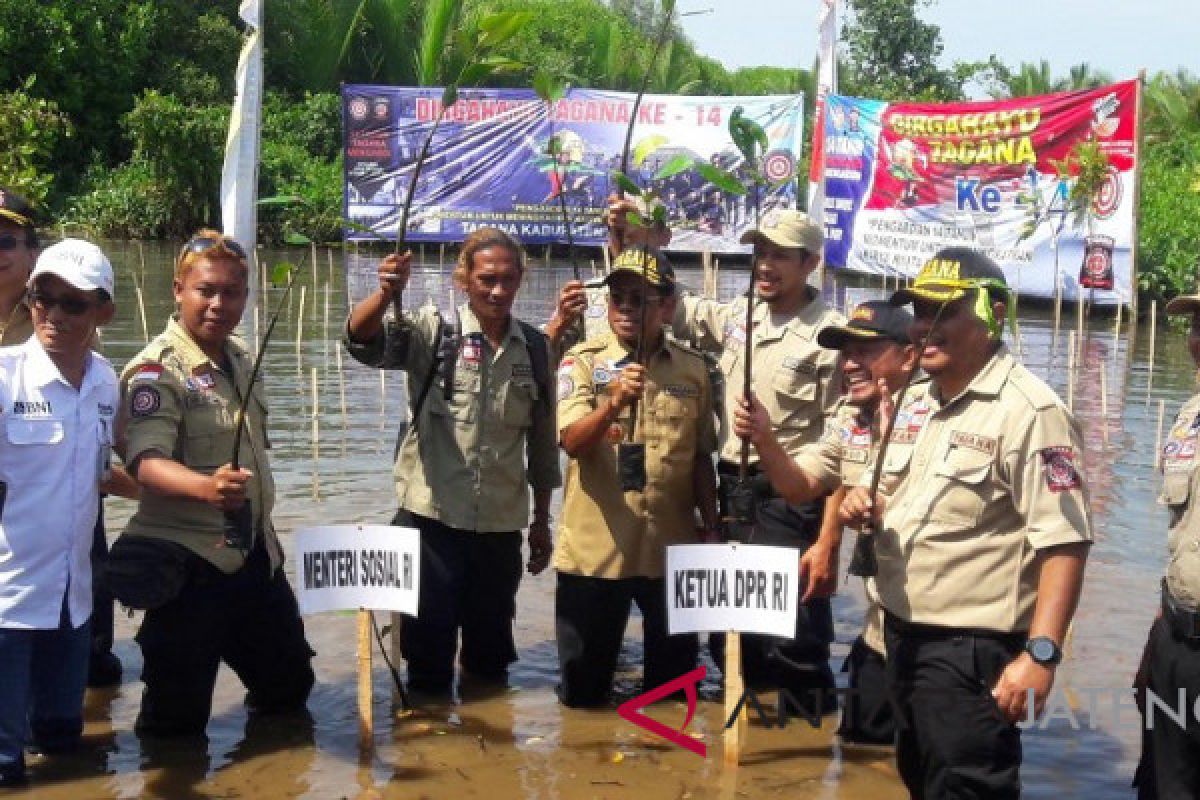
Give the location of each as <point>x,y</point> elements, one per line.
<point>1153,336</point>
<point>141,302</point>
<point>316,438</point>
<point>341,376</point>
<point>864,563</point>
<point>1162,409</point>
<point>1104,401</point>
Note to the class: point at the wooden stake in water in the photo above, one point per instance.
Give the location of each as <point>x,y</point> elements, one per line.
<point>441,255</point>
<point>1104,401</point>
<point>1162,410</point>
<point>325,329</point>
<point>1057,305</point>
<point>141,301</point>
<point>316,438</point>
<point>142,261</point>
<point>735,687</point>
<point>337,353</point>
<point>1071,371</point>
<point>366,722</point>
<point>300,329</point>
<point>1150,360</point>
<point>329,254</point>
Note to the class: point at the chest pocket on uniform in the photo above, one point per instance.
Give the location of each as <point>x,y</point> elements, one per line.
<point>1176,488</point>
<point>796,396</point>
<point>34,431</point>
<point>463,401</point>
<point>963,495</point>
<point>209,436</point>
<point>517,402</point>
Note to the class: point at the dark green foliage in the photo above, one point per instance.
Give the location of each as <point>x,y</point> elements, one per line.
<point>1169,224</point>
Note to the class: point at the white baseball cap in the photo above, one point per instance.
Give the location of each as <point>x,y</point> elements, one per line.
<point>77,262</point>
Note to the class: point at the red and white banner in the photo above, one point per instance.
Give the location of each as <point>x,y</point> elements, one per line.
<point>905,179</point>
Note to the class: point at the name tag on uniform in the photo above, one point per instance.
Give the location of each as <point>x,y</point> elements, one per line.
<point>798,365</point>
<point>681,390</point>
<point>974,441</point>
<point>522,374</point>
<point>855,455</point>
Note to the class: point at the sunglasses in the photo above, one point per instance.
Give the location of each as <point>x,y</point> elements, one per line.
<point>202,244</point>
<point>70,305</point>
<point>10,242</point>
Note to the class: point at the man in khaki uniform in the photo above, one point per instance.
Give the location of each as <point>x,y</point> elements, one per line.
<point>795,380</point>
<point>18,251</point>
<point>876,357</point>
<point>983,534</point>
<point>612,543</point>
<point>1173,662</point>
<point>482,439</point>
<point>181,397</point>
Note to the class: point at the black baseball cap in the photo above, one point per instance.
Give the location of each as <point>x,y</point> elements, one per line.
<point>876,319</point>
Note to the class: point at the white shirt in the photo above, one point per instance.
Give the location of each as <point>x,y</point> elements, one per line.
<point>54,452</point>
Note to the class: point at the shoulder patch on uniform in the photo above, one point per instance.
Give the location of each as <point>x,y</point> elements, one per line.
<point>565,385</point>
<point>1059,466</point>
<point>566,365</point>
<point>144,400</point>
<point>147,372</point>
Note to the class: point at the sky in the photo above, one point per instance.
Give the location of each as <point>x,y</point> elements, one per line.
<point>1116,36</point>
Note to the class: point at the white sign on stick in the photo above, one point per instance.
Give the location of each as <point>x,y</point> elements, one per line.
<point>732,587</point>
<point>347,567</point>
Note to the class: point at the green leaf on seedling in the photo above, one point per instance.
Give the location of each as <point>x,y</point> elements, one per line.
<point>282,200</point>
<point>296,239</point>
<point>280,273</point>
<point>677,164</point>
<point>660,214</point>
<point>627,186</point>
<point>449,95</point>
<point>636,220</point>
<point>500,27</point>
<point>549,87</point>
<point>723,180</point>
<point>647,146</point>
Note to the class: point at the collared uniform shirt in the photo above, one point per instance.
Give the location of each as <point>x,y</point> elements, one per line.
<point>978,485</point>
<point>840,458</point>
<point>1180,486</point>
<point>607,533</point>
<point>55,452</point>
<point>179,404</point>
<point>475,453</point>
<point>793,377</point>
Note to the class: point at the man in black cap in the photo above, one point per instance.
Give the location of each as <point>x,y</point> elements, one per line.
<point>876,358</point>
<point>612,543</point>
<point>981,533</point>
<point>18,253</point>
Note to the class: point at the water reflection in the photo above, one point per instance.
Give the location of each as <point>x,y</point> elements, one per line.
<point>520,742</point>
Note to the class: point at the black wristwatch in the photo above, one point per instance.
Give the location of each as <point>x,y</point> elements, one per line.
<point>1043,650</point>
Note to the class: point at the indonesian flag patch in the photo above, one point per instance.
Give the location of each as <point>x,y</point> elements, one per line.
<point>1059,465</point>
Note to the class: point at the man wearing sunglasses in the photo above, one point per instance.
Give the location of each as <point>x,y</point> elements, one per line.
<point>18,252</point>
<point>982,533</point>
<point>58,402</point>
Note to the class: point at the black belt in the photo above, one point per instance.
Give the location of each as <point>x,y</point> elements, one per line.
<point>920,630</point>
<point>1184,622</point>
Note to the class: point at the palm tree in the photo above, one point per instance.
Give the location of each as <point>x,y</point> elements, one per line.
<point>1029,79</point>
<point>1172,105</point>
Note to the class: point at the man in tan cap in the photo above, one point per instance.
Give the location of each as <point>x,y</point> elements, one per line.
<point>795,380</point>
<point>1172,661</point>
<point>982,534</point>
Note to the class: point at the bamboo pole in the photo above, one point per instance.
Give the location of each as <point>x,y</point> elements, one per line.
<point>1137,189</point>
<point>1117,327</point>
<point>325,337</point>
<point>1162,409</point>
<point>329,254</point>
<point>141,302</point>
<point>366,722</point>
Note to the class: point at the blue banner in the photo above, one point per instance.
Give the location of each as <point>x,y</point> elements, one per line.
<point>489,163</point>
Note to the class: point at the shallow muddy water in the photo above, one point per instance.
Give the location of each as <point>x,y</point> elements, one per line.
<point>519,742</point>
